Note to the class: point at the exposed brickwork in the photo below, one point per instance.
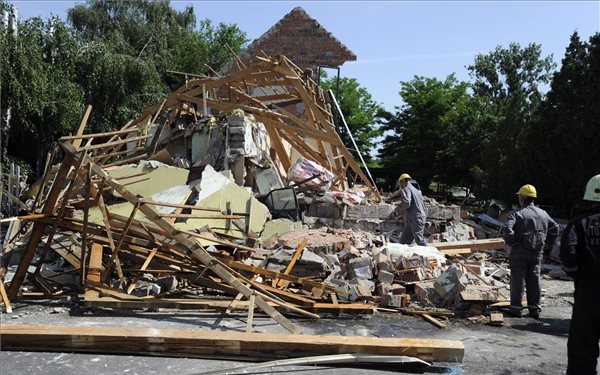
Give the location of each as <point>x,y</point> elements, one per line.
<point>301,39</point>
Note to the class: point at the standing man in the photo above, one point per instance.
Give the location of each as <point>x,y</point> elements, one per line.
<point>414,211</point>
<point>580,256</point>
<point>530,232</point>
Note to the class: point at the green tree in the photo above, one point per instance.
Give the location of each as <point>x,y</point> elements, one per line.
<point>38,92</point>
<point>507,87</point>
<point>428,136</point>
<point>562,144</point>
<point>153,31</point>
<point>131,49</point>
<point>360,113</point>
<point>117,85</point>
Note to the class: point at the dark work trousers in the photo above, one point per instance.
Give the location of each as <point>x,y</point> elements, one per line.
<point>584,332</point>
<point>413,230</point>
<point>525,266</point>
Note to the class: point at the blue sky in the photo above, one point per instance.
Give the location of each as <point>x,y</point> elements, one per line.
<point>395,41</point>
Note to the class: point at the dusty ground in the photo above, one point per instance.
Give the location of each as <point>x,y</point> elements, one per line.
<point>521,346</point>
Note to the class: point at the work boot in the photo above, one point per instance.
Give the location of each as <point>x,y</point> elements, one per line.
<point>515,312</point>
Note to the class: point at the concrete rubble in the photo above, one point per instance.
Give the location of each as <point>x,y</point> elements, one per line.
<point>225,199</point>
<point>349,247</point>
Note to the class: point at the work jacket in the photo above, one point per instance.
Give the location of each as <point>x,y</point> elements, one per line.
<point>411,200</point>
<point>580,248</point>
<point>529,228</point>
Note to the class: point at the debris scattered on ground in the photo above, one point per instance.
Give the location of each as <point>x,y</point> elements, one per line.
<point>220,200</point>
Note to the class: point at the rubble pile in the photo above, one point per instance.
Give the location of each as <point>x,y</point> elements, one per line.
<point>226,202</point>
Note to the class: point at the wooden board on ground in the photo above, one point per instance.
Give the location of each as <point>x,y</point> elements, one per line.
<point>474,245</point>
<point>206,304</point>
<point>194,343</point>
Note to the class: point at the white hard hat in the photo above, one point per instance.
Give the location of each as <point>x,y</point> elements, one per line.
<point>592,189</point>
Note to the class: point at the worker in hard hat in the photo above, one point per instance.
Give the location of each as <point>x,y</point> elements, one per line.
<point>530,233</point>
<point>580,257</point>
<point>414,211</point>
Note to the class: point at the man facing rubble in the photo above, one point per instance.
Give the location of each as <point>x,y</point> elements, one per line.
<point>414,211</point>
<point>530,233</point>
<point>580,257</point>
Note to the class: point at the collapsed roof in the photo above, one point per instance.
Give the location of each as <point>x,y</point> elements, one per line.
<point>297,114</point>
<point>263,91</point>
<point>135,216</point>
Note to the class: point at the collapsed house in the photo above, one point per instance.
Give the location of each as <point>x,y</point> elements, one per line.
<point>237,192</point>
<point>227,197</point>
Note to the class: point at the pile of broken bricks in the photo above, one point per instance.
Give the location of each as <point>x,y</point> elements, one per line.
<point>123,224</point>
<point>134,230</point>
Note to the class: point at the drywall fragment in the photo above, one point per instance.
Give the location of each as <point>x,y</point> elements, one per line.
<point>149,177</point>
<point>278,227</point>
<point>222,194</point>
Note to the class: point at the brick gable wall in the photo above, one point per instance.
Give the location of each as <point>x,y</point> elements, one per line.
<point>301,39</point>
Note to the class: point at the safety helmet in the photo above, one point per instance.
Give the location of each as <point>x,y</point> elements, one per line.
<point>404,176</point>
<point>592,189</point>
<point>528,191</point>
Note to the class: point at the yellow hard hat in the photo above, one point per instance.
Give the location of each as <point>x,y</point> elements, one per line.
<point>592,189</point>
<point>404,176</point>
<point>528,191</point>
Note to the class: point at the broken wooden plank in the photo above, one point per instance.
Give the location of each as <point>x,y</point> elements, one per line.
<point>82,124</point>
<point>68,255</point>
<point>433,321</point>
<point>274,274</point>
<point>457,251</point>
<point>105,290</point>
<point>295,257</point>
<point>194,247</point>
<point>98,135</point>
<point>207,304</point>
<point>197,343</point>
<point>114,143</point>
<point>39,227</point>
<point>448,314</point>
<point>4,299</point>
<point>24,217</point>
<point>474,245</point>
<point>95,267</point>
<point>250,314</point>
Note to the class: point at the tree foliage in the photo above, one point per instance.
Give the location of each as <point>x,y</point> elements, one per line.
<point>507,85</point>
<point>116,85</point>
<point>39,94</point>
<point>494,133</point>
<point>428,135</point>
<point>153,31</point>
<point>118,56</point>
<point>562,144</point>
<point>360,114</point>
